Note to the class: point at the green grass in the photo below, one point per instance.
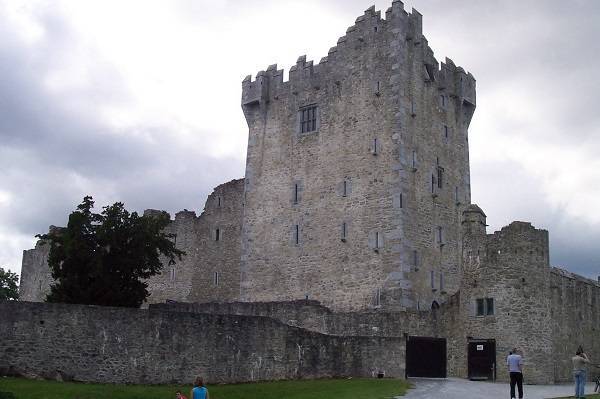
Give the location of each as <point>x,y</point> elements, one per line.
<point>299,389</point>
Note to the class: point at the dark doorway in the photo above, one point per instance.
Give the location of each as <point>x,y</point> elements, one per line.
<point>426,357</point>
<point>482,359</point>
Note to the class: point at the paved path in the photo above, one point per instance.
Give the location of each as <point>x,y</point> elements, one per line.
<point>454,388</point>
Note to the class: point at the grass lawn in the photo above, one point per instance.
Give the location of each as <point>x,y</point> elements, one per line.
<point>308,389</point>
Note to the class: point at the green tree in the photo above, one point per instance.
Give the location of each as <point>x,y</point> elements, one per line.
<point>9,289</point>
<point>102,259</point>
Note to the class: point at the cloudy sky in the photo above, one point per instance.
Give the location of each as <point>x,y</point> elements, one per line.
<point>138,101</point>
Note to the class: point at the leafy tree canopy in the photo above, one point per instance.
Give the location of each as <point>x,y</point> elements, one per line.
<point>9,290</point>
<point>103,259</point>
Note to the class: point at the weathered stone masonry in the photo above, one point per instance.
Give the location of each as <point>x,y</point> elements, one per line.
<point>118,345</point>
<point>356,195</point>
<point>387,164</point>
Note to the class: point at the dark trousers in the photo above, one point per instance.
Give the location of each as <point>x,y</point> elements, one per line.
<point>516,378</point>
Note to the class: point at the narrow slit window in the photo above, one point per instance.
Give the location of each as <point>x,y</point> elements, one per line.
<point>297,234</point>
<point>218,202</point>
<point>401,200</point>
<point>414,160</point>
<point>378,241</point>
<point>440,176</point>
<point>344,231</point>
<point>172,274</point>
<point>416,260</point>
<point>440,235</point>
<point>295,193</point>
<point>433,184</point>
<point>378,297</point>
<point>445,131</point>
<point>375,147</point>
<point>345,189</point>
<point>216,278</point>
<point>217,234</point>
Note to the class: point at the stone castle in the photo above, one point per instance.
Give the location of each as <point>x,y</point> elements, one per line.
<point>356,210</point>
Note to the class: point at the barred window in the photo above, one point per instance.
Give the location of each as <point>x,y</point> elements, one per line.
<point>308,119</point>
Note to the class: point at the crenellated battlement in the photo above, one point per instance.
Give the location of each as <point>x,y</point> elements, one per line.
<point>399,29</point>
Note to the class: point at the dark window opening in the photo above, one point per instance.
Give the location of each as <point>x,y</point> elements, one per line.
<point>217,234</point>
<point>344,231</point>
<point>375,149</point>
<point>485,306</point>
<point>440,176</point>
<point>216,278</point>
<point>401,201</point>
<point>440,235</point>
<point>489,302</point>
<point>345,191</point>
<point>375,29</point>
<point>295,193</point>
<point>308,119</point>
<point>445,131</point>
<point>297,234</point>
<point>218,202</point>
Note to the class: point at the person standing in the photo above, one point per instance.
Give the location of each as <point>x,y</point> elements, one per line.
<point>199,391</point>
<point>580,360</point>
<point>514,362</point>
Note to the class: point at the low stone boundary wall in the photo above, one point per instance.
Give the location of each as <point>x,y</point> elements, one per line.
<point>119,345</point>
<point>311,315</point>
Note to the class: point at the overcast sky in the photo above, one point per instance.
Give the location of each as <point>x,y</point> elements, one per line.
<point>139,101</point>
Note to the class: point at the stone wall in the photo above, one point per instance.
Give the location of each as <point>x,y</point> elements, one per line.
<point>210,270</point>
<point>575,314</point>
<point>118,345</point>
<point>389,116</point>
<point>311,315</point>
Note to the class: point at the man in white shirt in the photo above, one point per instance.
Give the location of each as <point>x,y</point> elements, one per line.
<point>514,362</point>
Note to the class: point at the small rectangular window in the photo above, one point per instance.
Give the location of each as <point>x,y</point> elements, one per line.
<point>445,131</point>
<point>297,234</point>
<point>216,278</point>
<point>489,306</point>
<point>344,231</point>
<point>308,119</point>
<point>217,234</point>
<point>433,184</point>
<point>218,202</point>
<point>440,176</point>
<point>345,189</point>
<point>378,297</point>
<point>377,240</point>
<point>480,307</point>
<point>401,201</point>
<point>172,275</point>
<point>414,160</point>
<point>375,147</point>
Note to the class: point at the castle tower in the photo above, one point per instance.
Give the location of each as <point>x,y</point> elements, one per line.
<point>357,172</point>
